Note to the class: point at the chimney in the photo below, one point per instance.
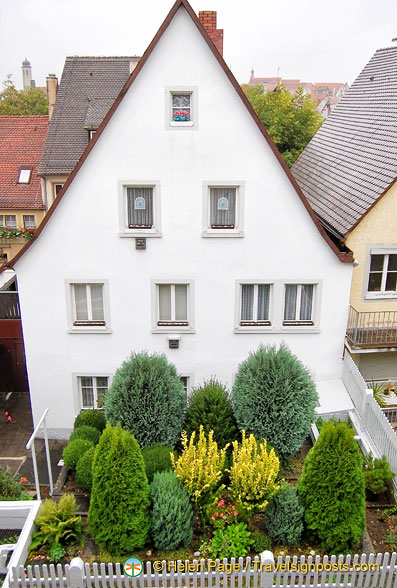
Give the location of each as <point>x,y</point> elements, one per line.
<point>52,89</point>
<point>208,20</point>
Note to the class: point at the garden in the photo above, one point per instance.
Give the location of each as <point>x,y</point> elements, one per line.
<point>216,475</point>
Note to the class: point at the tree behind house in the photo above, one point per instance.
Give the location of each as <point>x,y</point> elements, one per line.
<point>22,102</point>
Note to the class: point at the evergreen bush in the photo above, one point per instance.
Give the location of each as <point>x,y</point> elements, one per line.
<point>11,489</point>
<point>118,516</point>
<point>74,450</point>
<point>172,514</point>
<point>157,459</point>
<point>92,418</point>
<point>148,399</point>
<point>86,432</point>
<point>284,517</point>
<point>377,474</point>
<point>260,542</point>
<point>84,470</point>
<point>210,406</point>
<point>274,398</point>
<point>331,489</point>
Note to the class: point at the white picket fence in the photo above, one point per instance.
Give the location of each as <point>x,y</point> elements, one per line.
<point>372,421</point>
<point>373,571</point>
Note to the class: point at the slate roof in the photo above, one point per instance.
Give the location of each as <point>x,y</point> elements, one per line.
<point>352,159</point>
<point>21,144</point>
<point>88,88</point>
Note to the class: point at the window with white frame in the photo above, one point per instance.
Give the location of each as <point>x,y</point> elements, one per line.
<point>255,305</point>
<point>181,106</point>
<point>29,221</point>
<point>382,279</point>
<point>223,207</point>
<point>56,189</point>
<point>186,383</point>
<point>140,207</point>
<point>92,390</point>
<point>173,305</point>
<point>88,305</point>
<point>24,175</point>
<point>11,221</point>
<point>299,304</point>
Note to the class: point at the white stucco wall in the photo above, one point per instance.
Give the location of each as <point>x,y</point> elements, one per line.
<point>82,239</point>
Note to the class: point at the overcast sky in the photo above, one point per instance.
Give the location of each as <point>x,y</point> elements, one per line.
<point>307,39</point>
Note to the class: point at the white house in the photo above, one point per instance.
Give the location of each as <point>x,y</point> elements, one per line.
<point>180,231</point>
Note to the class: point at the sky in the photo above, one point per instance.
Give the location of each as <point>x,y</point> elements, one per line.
<point>302,39</point>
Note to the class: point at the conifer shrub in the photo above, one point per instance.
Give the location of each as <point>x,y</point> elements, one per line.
<point>118,516</point>
<point>331,489</point>
<point>284,517</point>
<point>199,468</point>
<point>253,474</point>
<point>172,514</point>
<point>157,459</point>
<point>10,488</point>
<point>74,450</point>
<point>148,399</point>
<point>92,418</point>
<point>210,406</point>
<point>86,432</point>
<point>274,398</point>
<point>377,475</point>
<point>260,542</point>
<point>84,470</point>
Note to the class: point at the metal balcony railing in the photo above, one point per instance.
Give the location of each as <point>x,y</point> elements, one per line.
<point>372,329</point>
<point>9,305</point>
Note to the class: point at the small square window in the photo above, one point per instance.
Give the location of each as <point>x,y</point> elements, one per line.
<point>24,175</point>
<point>140,207</point>
<point>298,304</point>
<point>88,305</point>
<point>29,221</point>
<point>255,305</point>
<point>11,221</point>
<point>92,391</point>
<point>56,189</point>
<point>181,107</point>
<point>223,208</point>
<point>382,279</point>
<point>172,306</point>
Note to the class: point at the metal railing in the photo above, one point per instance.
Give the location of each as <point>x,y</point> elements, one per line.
<point>372,329</point>
<point>9,305</point>
<point>30,445</point>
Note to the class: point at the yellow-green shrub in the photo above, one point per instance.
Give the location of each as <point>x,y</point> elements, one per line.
<point>253,474</point>
<point>200,467</point>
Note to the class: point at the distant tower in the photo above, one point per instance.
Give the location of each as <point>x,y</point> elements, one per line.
<point>26,74</point>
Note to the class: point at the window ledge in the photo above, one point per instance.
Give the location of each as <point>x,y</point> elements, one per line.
<point>298,330</point>
<point>173,331</point>
<point>140,234</point>
<point>222,233</point>
<point>380,296</point>
<point>187,123</point>
<point>89,330</point>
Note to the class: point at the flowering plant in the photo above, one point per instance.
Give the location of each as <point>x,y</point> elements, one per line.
<point>224,513</point>
<point>9,233</point>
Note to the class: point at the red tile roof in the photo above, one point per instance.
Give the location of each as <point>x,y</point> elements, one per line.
<point>21,144</point>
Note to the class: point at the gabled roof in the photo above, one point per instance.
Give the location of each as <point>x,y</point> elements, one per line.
<point>21,144</point>
<point>352,159</point>
<point>88,88</point>
<point>344,255</point>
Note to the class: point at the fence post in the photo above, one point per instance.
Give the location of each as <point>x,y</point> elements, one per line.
<point>367,395</point>
<point>267,569</point>
<point>76,573</point>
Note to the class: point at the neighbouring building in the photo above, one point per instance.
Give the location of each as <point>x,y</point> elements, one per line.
<point>348,173</point>
<point>178,232</point>
<point>326,94</point>
<point>21,206</point>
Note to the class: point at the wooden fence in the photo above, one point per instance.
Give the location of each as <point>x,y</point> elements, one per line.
<point>373,571</point>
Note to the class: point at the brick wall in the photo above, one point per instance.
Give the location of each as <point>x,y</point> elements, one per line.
<point>208,20</point>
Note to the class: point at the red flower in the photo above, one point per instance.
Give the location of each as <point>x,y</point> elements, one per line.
<point>30,230</point>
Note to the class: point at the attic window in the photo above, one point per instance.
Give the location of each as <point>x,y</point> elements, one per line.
<point>181,107</point>
<point>24,175</point>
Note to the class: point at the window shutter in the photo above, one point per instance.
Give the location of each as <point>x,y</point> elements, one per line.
<point>140,207</point>
<point>247,302</point>
<point>263,302</point>
<point>306,302</point>
<point>223,207</point>
<point>290,302</point>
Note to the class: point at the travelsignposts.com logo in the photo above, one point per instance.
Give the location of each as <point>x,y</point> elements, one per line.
<point>133,567</point>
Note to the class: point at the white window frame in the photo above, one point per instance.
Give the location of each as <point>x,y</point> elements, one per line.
<point>238,231</point>
<point>124,229</point>
<point>191,124</point>
<point>253,326</point>
<point>22,177</point>
<point>170,328</point>
<point>76,378</point>
<point>24,221</point>
<point>54,189</point>
<point>12,226</point>
<point>71,307</point>
<point>297,322</point>
<point>382,294</point>
<point>189,383</point>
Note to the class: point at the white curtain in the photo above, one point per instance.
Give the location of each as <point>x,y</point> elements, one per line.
<point>97,302</point>
<point>140,216</point>
<point>290,302</point>
<point>164,302</point>
<point>306,302</point>
<point>80,296</point>
<point>247,302</point>
<point>263,302</point>
<point>220,216</point>
<point>181,302</point>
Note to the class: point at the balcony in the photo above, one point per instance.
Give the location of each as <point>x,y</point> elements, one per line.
<point>9,305</point>
<point>371,330</point>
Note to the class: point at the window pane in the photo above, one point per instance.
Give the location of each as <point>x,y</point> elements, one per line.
<point>306,302</point>
<point>102,382</point>
<point>247,302</point>
<point>97,302</point>
<point>181,302</point>
<point>80,296</point>
<point>29,221</point>
<point>140,207</point>
<point>164,302</point>
<point>375,282</point>
<point>376,263</point>
<point>223,207</point>
<point>24,176</point>
<point>392,262</point>
<point>290,302</point>
<point>263,302</point>
<point>11,221</point>
<point>87,392</point>
<point>185,382</point>
<point>1,220</point>
<point>181,107</point>
<point>391,282</point>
